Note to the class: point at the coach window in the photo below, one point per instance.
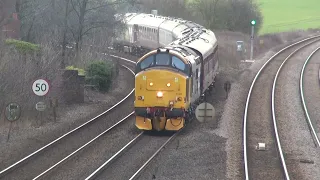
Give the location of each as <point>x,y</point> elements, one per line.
<point>162,59</point>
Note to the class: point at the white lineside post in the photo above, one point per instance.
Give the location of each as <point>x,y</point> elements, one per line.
<point>253,22</point>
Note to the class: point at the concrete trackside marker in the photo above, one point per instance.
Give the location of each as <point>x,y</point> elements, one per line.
<point>205,112</point>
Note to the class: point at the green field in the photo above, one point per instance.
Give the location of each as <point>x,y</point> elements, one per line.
<point>286,15</point>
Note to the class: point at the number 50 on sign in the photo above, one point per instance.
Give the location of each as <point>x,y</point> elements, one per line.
<point>40,87</point>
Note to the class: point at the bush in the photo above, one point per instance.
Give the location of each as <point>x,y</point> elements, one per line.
<point>81,72</point>
<point>22,46</point>
<point>100,74</point>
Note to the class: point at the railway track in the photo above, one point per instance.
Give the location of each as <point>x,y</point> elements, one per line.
<point>312,95</point>
<point>45,159</point>
<point>131,159</point>
<point>260,120</point>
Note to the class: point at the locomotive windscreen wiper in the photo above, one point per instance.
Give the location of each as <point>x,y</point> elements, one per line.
<point>174,65</point>
<point>150,64</point>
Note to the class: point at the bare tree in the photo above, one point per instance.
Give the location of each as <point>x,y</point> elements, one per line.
<point>207,11</point>
<point>233,15</point>
<point>64,34</point>
<point>92,15</point>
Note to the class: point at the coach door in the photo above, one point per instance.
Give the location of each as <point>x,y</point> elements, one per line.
<point>135,32</point>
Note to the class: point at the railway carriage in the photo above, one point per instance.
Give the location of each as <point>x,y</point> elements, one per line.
<point>179,64</point>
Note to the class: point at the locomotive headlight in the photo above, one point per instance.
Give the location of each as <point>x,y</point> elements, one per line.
<point>168,85</point>
<point>159,94</point>
<point>151,84</point>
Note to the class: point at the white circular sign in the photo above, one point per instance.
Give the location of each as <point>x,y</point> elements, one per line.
<point>40,87</point>
<point>205,112</point>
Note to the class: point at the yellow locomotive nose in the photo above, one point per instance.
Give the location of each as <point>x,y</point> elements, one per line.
<point>164,103</point>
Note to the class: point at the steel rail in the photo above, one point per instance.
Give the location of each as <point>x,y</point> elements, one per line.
<point>283,162</point>
<point>92,175</point>
<point>122,58</point>
<point>248,100</point>
<point>303,100</point>
<point>135,175</point>
<point>68,133</point>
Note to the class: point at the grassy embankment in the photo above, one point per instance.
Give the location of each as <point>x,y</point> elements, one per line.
<point>287,15</point>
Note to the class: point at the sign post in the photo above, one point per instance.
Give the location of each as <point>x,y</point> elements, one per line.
<point>253,23</point>
<point>40,88</point>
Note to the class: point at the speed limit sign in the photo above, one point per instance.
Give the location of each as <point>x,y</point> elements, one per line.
<point>40,87</point>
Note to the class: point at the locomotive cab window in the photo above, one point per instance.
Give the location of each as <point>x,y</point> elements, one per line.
<point>178,63</point>
<point>147,62</point>
<point>162,59</point>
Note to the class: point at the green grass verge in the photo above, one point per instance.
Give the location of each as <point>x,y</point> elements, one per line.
<point>287,15</point>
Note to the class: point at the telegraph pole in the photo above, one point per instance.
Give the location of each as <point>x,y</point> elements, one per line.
<point>253,23</point>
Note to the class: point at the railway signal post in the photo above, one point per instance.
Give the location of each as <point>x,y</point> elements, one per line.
<point>253,23</point>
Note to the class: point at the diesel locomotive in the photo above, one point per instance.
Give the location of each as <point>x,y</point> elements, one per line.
<point>179,64</point>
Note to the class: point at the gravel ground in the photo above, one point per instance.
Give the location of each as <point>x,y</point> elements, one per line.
<point>295,136</point>
<point>25,141</point>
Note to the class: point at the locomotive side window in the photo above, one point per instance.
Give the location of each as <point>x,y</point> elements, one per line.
<point>147,62</point>
<point>178,63</point>
<point>162,59</point>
